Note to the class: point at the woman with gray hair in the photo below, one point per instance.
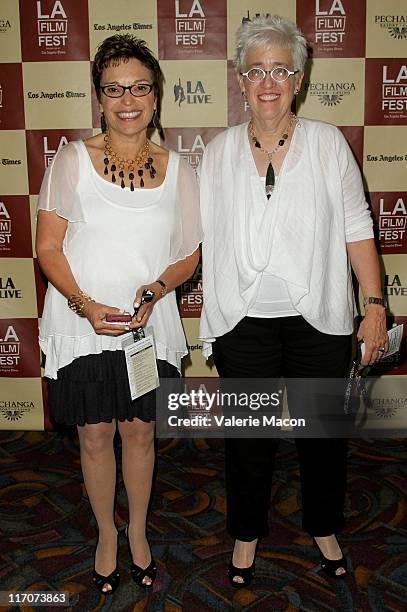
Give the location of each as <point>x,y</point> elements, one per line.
<point>285,218</point>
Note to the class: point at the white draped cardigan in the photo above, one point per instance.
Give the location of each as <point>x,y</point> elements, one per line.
<point>318,206</point>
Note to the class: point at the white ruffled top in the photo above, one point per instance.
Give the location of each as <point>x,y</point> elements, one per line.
<point>116,241</point>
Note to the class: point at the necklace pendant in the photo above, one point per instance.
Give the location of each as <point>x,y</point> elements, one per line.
<point>122,185</point>
<point>270,180</point>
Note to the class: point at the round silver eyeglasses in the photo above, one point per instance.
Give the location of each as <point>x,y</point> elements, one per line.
<point>278,74</point>
<point>117,91</point>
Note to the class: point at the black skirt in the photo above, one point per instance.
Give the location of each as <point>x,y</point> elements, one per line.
<point>95,389</point>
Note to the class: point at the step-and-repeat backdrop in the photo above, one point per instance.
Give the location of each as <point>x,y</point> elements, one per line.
<point>356,79</point>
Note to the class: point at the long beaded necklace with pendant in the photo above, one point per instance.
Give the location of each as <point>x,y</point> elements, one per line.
<point>270,175</point>
<point>143,161</point>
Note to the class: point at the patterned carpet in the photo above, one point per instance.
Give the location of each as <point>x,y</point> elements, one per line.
<point>48,535</point>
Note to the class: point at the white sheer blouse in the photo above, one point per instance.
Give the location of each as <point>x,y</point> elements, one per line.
<point>116,241</point>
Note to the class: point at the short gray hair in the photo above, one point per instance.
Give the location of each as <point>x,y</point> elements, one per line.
<point>269,31</point>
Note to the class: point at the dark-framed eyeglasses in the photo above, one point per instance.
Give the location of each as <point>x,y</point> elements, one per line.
<point>117,91</point>
<point>278,74</point>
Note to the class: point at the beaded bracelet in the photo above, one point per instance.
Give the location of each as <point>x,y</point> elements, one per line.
<point>77,301</point>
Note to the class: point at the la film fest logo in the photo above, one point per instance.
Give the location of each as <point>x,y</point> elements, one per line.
<point>394,89</point>
<point>5,25</point>
<point>9,349</point>
<point>190,23</point>
<point>15,410</point>
<point>191,92</point>
<point>52,27</point>
<point>5,227</point>
<point>330,93</point>
<point>396,25</point>
<point>191,292</point>
<point>192,154</point>
<point>392,222</point>
<point>49,152</point>
<point>330,24</point>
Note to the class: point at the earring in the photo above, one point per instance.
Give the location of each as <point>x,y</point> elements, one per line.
<point>103,123</point>
<point>156,121</point>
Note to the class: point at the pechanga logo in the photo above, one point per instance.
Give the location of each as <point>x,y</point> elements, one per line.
<point>49,153</point>
<point>396,25</point>
<point>52,28</point>
<point>14,411</point>
<point>190,25</point>
<point>394,89</point>
<point>192,93</point>
<point>387,407</point>
<point>330,94</point>
<point>5,227</point>
<point>9,348</point>
<point>393,286</point>
<point>194,153</point>
<point>330,24</point>
<point>8,289</point>
<point>5,25</point>
<point>392,222</point>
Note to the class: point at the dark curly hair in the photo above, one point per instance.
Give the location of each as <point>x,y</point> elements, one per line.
<point>120,48</point>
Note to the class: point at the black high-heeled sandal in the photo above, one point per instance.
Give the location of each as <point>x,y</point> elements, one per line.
<point>112,579</point>
<point>331,566</point>
<point>138,573</point>
<point>245,573</point>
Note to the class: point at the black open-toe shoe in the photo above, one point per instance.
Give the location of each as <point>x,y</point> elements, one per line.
<point>112,579</point>
<point>245,573</point>
<point>138,573</point>
<point>331,566</point>
<point>100,581</point>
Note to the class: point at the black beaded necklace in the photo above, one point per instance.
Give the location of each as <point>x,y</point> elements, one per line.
<point>270,175</point>
<point>143,161</point>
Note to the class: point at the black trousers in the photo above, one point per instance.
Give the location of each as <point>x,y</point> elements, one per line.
<point>289,347</point>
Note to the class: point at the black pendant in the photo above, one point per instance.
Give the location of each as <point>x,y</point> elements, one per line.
<point>106,161</point>
<point>270,180</point>
<point>113,168</point>
<point>131,186</point>
<point>140,172</point>
<point>113,178</point>
<point>106,171</point>
<point>141,182</point>
<point>257,144</point>
<point>131,176</point>
<point>121,174</point>
<point>281,142</point>
<point>122,185</point>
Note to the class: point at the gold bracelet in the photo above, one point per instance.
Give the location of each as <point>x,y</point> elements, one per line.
<point>77,301</point>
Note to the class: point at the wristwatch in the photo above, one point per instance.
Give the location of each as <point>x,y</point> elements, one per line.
<point>374,300</point>
<point>163,287</point>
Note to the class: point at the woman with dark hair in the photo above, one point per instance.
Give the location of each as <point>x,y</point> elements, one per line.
<point>285,219</point>
<point>117,215</point>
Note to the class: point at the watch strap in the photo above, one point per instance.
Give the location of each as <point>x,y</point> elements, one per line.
<point>373,300</point>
